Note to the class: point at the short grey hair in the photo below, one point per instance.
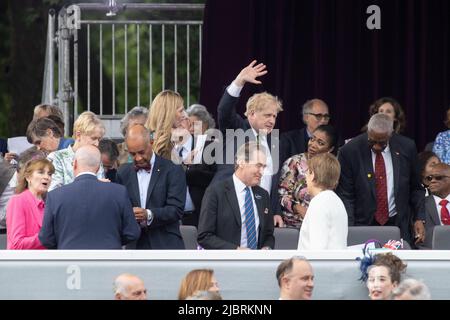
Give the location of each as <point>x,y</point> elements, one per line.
<point>88,156</point>
<point>246,151</point>
<point>381,123</point>
<point>202,113</point>
<point>308,105</point>
<point>417,289</point>
<point>136,112</point>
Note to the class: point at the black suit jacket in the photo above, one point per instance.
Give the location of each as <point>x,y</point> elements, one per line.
<point>220,218</point>
<point>357,185</point>
<point>293,142</point>
<point>229,119</point>
<point>431,220</point>
<point>88,214</point>
<point>166,197</point>
<point>198,178</point>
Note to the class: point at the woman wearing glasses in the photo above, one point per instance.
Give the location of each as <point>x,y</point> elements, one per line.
<point>292,187</point>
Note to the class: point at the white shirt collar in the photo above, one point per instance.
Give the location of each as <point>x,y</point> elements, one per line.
<point>239,185</point>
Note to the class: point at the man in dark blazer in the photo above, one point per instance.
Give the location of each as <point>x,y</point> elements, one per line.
<point>236,211</point>
<point>88,213</point>
<point>262,111</point>
<point>379,181</point>
<point>157,189</point>
<point>437,204</point>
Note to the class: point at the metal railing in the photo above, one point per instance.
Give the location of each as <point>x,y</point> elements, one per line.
<point>110,63</point>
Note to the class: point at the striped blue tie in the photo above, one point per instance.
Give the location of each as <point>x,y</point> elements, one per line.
<point>250,220</point>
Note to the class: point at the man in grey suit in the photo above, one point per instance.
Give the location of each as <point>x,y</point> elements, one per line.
<point>88,213</point>
<point>236,212</point>
<point>157,189</point>
<point>437,204</point>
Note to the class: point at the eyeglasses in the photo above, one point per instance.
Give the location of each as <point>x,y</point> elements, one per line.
<point>320,116</point>
<point>437,178</point>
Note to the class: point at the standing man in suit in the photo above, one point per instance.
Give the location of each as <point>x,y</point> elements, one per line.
<point>236,212</point>
<point>437,204</point>
<point>88,213</point>
<point>379,181</point>
<point>261,113</point>
<point>157,189</point>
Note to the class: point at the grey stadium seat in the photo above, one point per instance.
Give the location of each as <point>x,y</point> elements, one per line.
<point>360,234</point>
<point>189,234</point>
<point>441,238</point>
<point>286,238</point>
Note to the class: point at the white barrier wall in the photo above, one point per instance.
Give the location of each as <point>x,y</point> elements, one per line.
<point>241,275</point>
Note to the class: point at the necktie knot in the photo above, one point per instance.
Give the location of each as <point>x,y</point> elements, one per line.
<point>443,202</point>
<point>147,167</point>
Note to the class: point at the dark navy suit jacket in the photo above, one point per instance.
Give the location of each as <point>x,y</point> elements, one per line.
<point>166,196</point>
<point>88,214</point>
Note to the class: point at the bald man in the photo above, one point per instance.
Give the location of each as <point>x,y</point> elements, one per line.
<point>129,287</point>
<point>88,213</point>
<point>437,204</point>
<point>157,190</point>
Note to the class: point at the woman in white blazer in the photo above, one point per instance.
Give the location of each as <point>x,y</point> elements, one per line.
<point>326,223</point>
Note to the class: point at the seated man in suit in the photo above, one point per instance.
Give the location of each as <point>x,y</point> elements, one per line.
<point>379,181</point>
<point>88,213</point>
<point>314,114</point>
<point>157,189</point>
<point>236,212</point>
<point>437,204</point>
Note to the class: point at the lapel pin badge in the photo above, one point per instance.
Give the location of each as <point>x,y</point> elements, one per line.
<point>369,175</point>
<point>266,211</point>
<point>257,196</point>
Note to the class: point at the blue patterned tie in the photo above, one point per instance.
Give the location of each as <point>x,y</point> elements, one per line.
<point>250,220</point>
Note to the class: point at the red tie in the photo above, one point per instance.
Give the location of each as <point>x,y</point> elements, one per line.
<point>445,216</point>
<point>382,213</point>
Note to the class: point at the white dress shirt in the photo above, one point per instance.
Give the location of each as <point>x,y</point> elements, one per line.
<point>387,156</point>
<point>439,207</point>
<point>239,187</point>
<point>266,180</point>
<point>325,226</point>
<point>144,181</point>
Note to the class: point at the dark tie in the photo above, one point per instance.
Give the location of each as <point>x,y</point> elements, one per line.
<point>250,220</point>
<point>445,215</point>
<point>147,167</point>
<point>258,141</point>
<point>180,152</point>
<point>382,213</point>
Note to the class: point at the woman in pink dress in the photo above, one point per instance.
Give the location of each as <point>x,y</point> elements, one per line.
<point>25,210</point>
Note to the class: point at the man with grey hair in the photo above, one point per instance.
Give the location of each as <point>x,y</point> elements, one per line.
<point>88,213</point>
<point>379,183</point>
<point>314,114</point>
<point>295,278</point>
<point>137,115</point>
<point>411,289</point>
<point>201,120</point>
<point>235,212</point>
<point>129,287</point>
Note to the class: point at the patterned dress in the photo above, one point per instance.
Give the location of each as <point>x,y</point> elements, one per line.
<point>292,189</point>
<point>442,146</point>
<point>63,162</point>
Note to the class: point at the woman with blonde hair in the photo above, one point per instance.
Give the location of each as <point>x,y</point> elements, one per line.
<point>88,129</point>
<point>25,210</point>
<point>166,113</point>
<point>198,280</point>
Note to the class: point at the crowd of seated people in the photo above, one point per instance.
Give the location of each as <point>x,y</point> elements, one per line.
<point>237,199</point>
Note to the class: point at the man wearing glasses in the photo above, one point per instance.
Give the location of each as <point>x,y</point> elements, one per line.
<point>437,204</point>
<point>379,181</point>
<point>315,113</point>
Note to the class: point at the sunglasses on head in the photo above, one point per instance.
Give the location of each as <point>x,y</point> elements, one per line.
<point>437,178</point>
